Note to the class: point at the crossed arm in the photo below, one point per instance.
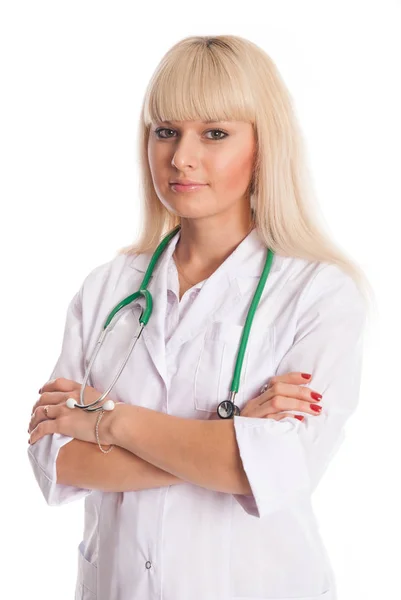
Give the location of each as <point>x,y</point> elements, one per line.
<point>82,464</point>
<point>179,450</point>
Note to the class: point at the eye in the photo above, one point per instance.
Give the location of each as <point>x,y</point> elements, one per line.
<point>162,137</point>
<point>157,131</point>
<point>225,134</point>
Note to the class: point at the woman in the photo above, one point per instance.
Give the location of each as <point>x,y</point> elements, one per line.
<point>188,505</point>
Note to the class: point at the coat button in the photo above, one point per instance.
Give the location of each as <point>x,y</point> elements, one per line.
<point>148,564</point>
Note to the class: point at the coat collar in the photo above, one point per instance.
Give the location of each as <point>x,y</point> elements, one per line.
<point>220,292</point>
<point>248,258</point>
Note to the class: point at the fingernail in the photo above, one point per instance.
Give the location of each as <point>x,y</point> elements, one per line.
<point>299,417</point>
<point>306,375</point>
<point>40,391</point>
<point>316,407</point>
<point>316,396</point>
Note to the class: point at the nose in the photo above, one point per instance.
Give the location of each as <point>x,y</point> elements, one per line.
<point>187,151</point>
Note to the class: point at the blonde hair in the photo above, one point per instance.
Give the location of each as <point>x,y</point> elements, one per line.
<point>223,78</point>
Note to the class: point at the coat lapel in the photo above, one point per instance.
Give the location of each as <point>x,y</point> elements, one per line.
<point>221,292</point>
<point>154,332</point>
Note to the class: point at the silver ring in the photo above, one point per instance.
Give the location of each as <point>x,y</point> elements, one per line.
<point>264,388</point>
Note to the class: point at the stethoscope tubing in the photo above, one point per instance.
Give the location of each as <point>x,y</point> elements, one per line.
<point>226,409</point>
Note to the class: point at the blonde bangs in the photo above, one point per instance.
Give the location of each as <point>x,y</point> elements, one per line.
<point>230,78</point>
<point>197,82</point>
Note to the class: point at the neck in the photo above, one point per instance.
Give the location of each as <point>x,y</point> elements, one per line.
<point>202,249</point>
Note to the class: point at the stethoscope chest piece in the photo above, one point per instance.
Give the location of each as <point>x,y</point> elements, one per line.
<point>227,409</point>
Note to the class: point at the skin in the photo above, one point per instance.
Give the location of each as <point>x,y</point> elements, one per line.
<point>216,218</point>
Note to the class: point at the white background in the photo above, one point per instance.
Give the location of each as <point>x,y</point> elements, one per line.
<point>72,78</point>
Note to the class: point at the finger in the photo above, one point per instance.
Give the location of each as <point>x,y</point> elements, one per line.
<point>60,384</point>
<point>280,403</point>
<point>53,412</point>
<point>45,427</point>
<point>279,416</point>
<point>296,377</point>
<point>48,398</point>
<point>277,405</point>
<point>280,388</point>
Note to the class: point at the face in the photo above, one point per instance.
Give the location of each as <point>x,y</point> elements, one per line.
<point>220,155</point>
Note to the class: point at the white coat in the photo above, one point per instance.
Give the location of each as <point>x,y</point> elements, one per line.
<point>186,542</point>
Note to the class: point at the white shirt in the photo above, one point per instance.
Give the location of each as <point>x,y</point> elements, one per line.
<point>186,542</point>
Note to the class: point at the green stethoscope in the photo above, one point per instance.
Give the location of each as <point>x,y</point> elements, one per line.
<point>226,409</point>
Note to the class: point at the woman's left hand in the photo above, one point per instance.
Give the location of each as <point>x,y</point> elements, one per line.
<point>74,422</point>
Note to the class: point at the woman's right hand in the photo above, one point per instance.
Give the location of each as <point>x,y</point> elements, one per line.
<point>284,392</point>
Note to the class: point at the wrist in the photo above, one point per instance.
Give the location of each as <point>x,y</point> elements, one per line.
<point>108,425</point>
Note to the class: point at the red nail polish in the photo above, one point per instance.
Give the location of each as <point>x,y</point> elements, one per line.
<point>306,375</point>
<point>40,391</point>
<point>299,417</point>
<point>316,407</point>
<point>316,396</point>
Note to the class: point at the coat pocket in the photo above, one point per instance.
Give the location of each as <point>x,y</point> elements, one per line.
<point>216,363</point>
<point>86,586</point>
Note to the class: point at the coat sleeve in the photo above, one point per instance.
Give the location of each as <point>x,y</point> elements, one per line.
<point>43,454</point>
<point>286,459</point>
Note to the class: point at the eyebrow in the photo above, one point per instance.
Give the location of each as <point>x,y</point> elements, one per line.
<point>205,122</point>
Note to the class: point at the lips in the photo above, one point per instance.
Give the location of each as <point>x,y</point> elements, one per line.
<point>189,187</point>
<point>186,182</point>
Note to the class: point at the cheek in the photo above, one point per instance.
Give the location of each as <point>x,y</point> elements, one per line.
<point>156,171</point>
<point>159,158</point>
<point>234,172</point>
<point>153,161</point>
